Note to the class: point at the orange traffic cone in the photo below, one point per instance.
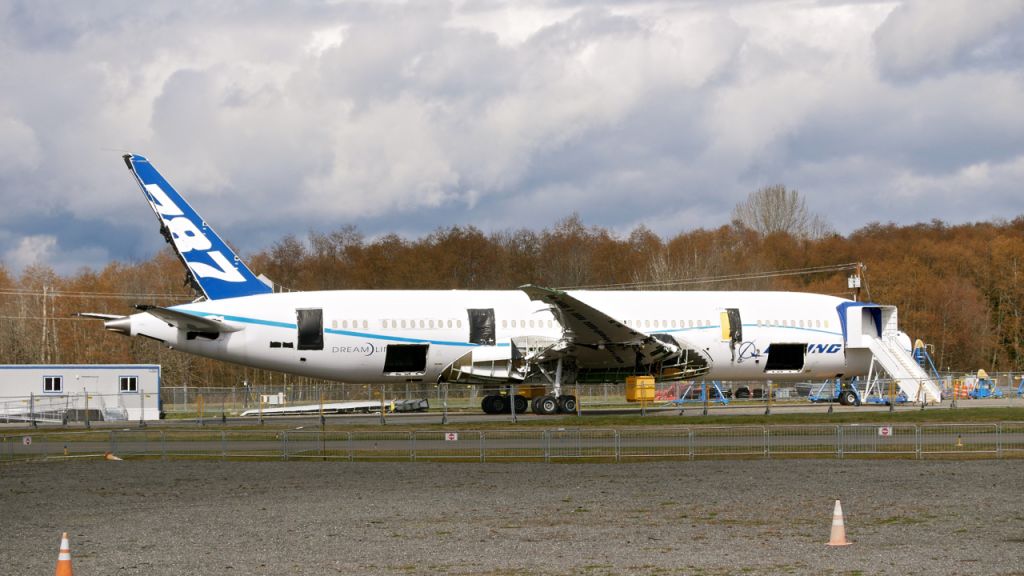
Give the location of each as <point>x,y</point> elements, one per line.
<point>110,456</point>
<point>838,528</point>
<point>64,558</point>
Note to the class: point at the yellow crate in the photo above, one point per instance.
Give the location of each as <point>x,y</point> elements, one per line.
<point>531,392</point>
<point>639,388</point>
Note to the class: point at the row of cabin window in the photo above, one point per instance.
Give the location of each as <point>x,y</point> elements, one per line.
<point>397,324</point>
<point>55,384</point>
<point>793,323</point>
<point>666,323</point>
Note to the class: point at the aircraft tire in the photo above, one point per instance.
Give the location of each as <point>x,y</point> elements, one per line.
<point>522,405</point>
<point>535,405</point>
<point>548,405</point>
<point>567,404</point>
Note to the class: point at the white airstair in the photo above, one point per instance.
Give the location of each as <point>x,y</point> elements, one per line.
<point>913,381</point>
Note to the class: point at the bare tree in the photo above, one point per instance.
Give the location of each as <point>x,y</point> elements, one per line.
<point>774,209</point>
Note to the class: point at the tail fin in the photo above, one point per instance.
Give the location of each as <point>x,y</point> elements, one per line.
<point>213,268</point>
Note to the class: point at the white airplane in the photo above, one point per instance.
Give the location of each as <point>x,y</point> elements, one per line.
<point>524,339</point>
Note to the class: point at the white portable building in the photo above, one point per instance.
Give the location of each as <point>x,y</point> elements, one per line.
<point>72,392</point>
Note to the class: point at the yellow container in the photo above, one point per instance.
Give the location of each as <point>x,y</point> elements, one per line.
<point>639,388</point>
<point>531,392</point>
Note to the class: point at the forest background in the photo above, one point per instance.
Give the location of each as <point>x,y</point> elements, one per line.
<point>958,287</point>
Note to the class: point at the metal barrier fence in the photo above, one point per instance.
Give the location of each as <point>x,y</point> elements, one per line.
<point>831,441</point>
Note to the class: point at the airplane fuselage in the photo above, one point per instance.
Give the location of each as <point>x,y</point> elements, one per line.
<point>357,328</point>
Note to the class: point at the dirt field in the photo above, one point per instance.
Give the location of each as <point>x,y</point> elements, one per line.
<point>155,518</point>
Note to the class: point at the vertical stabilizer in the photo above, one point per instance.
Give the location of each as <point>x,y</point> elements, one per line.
<point>213,268</point>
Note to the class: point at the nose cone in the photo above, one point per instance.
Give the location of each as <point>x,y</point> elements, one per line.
<point>119,325</point>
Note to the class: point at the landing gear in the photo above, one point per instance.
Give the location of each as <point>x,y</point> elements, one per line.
<point>567,404</point>
<point>545,405</point>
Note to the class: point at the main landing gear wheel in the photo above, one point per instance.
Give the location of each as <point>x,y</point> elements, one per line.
<point>567,404</point>
<point>545,405</point>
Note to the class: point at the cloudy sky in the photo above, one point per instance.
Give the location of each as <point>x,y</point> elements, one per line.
<point>284,117</point>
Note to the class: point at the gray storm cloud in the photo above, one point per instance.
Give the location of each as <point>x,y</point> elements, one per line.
<point>402,117</point>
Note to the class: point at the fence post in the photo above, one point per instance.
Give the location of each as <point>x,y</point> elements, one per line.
<point>767,443</point>
<point>163,445</point>
<point>412,446</point>
<point>547,446</point>
<point>917,438</point>
<point>839,441</point>
<point>689,434</point>
<point>142,407</point>
<point>284,445</point>
<point>483,446</point>
<point>348,443</point>
<point>999,440</point>
<point>223,445</point>
<point>618,451</point>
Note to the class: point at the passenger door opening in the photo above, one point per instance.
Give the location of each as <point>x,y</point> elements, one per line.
<point>481,326</point>
<point>310,322</point>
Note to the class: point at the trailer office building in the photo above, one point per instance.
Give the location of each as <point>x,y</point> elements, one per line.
<point>73,392</point>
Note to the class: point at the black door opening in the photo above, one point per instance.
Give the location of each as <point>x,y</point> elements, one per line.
<point>481,326</point>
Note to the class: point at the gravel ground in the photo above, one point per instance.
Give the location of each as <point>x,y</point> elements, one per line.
<point>712,517</point>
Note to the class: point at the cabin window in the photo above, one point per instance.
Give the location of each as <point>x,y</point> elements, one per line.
<point>128,383</point>
<point>405,358</point>
<point>481,325</point>
<point>311,328</point>
<point>344,324</point>
<point>366,325</point>
<point>53,384</point>
<point>449,323</point>
<point>403,323</point>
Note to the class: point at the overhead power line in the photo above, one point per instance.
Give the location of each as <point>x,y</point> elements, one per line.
<point>724,278</point>
<point>98,295</point>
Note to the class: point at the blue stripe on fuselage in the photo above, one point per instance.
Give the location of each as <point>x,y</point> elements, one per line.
<point>273,324</point>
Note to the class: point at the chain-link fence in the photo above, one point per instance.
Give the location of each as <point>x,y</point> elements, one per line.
<point>995,440</point>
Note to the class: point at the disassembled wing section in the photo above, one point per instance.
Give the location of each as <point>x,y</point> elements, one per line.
<point>593,347</point>
<point>594,338</point>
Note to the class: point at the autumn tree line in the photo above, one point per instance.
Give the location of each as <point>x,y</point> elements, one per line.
<point>959,288</point>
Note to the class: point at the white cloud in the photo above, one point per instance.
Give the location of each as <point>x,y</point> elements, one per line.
<point>922,36</point>
<point>36,249</point>
<point>397,116</point>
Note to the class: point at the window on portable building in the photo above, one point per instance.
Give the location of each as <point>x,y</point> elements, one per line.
<point>129,383</point>
<point>53,384</point>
